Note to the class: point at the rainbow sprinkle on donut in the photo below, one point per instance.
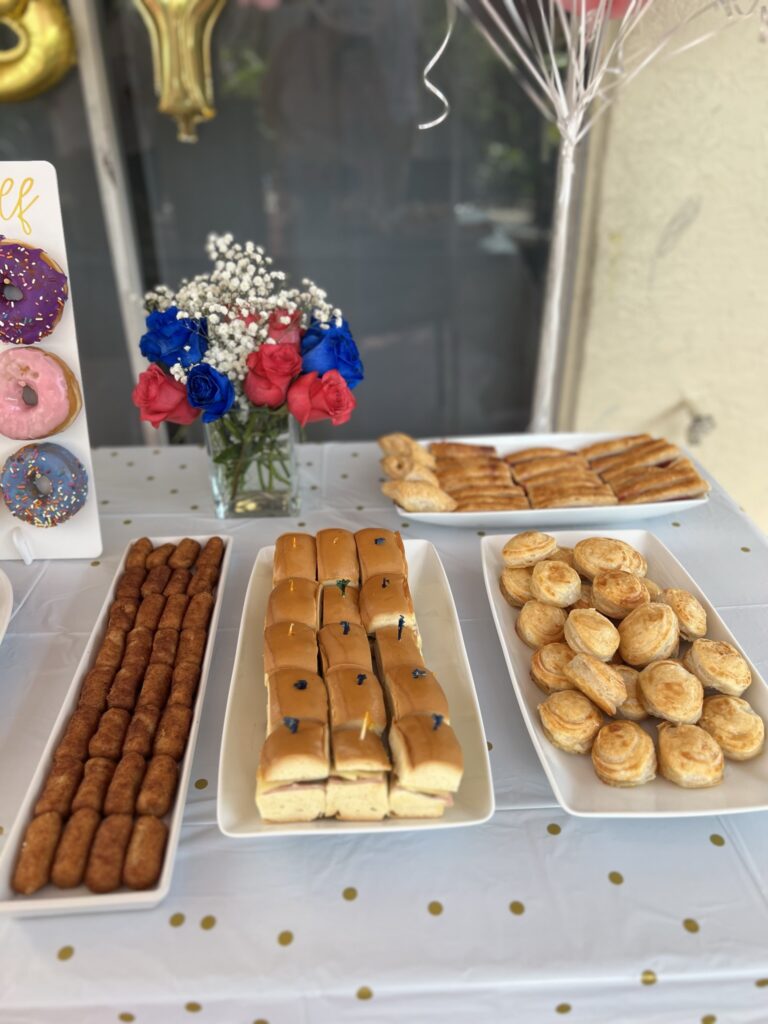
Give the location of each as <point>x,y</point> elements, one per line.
<point>33,292</point>
<point>44,484</point>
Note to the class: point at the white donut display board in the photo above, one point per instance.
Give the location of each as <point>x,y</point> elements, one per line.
<point>30,213</point>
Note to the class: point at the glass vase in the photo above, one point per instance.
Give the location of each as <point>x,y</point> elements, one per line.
<point>253,463</point>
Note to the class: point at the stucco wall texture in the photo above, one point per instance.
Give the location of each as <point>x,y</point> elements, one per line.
<point>678,292</point>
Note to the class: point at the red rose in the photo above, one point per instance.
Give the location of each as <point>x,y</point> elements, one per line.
<point>159,397</point>
<point>271,368</point>
<point>285,333</point>
<point>312,398</point>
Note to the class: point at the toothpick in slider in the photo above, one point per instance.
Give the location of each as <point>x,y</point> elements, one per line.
<point>364,726</point>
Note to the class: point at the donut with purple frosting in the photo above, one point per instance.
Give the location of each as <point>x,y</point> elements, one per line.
<point>33,293</point>
<point>44,484</point>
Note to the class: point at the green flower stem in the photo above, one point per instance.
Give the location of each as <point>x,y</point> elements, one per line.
<point>240,441</point>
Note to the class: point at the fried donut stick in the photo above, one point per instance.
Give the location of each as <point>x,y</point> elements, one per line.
<point>198,613</point>
<point>138,647</point>
<point>175,609</point>
<point>96,779</point>
<point>203,581</point>
<point>144,859</point>
<point>79,731</point>
<point>125,784</point>
<point>72,852</point>
<point>105,864</point>
<point>108,739</point>
<point>33,868</point>
<point>129,585</point>
<point>211,555</point>
<point>150,610</point>
<point>185,554</point>
<point>160,555</point>
<point>156,580</point>
<point>122,614</point>
<point>60,786</point>
<point>173,730</point>
<point>157,683</point>
<point>164,647</point>
<point>93,693</point>
<point>137,555</point>
<point>156,794</point>
<point>178,582</point>
<point>110,653</point>
<point>141,731</point>
<point>192,644</point>
<point>122,693</point>
<point>186,676</point>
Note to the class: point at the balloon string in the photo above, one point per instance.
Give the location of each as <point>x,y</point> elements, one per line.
<point>450,12</point>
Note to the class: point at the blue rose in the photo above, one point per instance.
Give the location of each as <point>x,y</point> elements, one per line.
<point>170,341</point>
<point>331,349</point>
<point>209,390</point>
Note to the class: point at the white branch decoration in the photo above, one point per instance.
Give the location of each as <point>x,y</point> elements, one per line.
<point>571,57</point>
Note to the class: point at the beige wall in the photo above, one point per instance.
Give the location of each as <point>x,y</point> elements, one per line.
<point>673,300</point>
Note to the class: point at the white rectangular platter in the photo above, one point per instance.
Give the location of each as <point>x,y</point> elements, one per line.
<point>576,787</point>
<point>534,518</point>
<point>50,900</point>
<point>245,721</point>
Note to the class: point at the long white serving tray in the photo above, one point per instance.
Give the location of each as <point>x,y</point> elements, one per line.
<point>6,603</point>
<point>245,722</point>
<point>576,787</point>
<point>534,518</point>
<point>49,900</point>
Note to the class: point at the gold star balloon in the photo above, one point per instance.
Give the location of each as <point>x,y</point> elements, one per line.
<point>43,52</point>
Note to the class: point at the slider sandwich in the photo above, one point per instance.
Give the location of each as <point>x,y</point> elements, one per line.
<point>428,766</point>
<point>352,694</point>
<point>357,788</point>
<point>337,558</point>
<point>380,551</point>
<point>295,556</point>
<point>293,767</point>
<point>293,693</point>
<point>342,643</point>
<point>295,600</point>
<point>289,645</point>
<point>397,645</point>
<point>413,690</point>
<point>385,600</point>
<point>341,604</point>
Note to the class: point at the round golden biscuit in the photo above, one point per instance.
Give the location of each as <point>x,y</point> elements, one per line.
<point>691,616</point>
<point>555,583</point>
<point>649,633</point>
<point>668,691</point>
<point>623,755</point>
<point>589,632</point>
<point>570,721</point>
<point>515,586</point>
<point>539,624</point>
<point>653,588</point>
<point>598,681</point>
<point>735,726</point>
<point>631,708</point>
<point>719,666</point>
<point>585,598</point>
<point>599,554</point>
<point>548,667</point>
<point>616,593</point>
<point>689,756</point>
<point>527,549</point>
<point>562,555</point>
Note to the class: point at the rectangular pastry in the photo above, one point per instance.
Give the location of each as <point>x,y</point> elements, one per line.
<point>353,693</point>
<point>293,693</point>
<point>294,600</point>
<point>380,551</point>
<point>649,453</point>
<point>525,471</point>
<point>458,449</point>
<point>295,555</point>
<point>527,454</point>
<point>341,604</point>
<point>337,557</point>
<point>341,643</point>
<point>385,600</point>
<point>289,645</point>
<point>614,446</point>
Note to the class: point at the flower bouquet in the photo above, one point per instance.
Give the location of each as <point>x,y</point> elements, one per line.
<point>253,358</point>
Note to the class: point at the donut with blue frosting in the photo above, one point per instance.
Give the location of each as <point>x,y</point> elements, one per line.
<point>33,293</point>
<point>44,484</point>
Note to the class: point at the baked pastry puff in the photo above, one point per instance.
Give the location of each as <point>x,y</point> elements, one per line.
<point>690,614</point>
<point>528,548</point>
<point>689,756</point>
<point>515,585</point>
<point>631,708</point>
<point>598,554</point>
<point>616,593</point>
<point>736,727</point>
<point>562,555</point>
<point>539,624</point>
<point>570,721</point>
<point>653,588</point>
<point>649,633</point>
<point>585,598</point>
<point>555,582</point>
<point>418,496</point>
<point>623,754</point>
<point>719,666</point>
<point>598,681</point>
<point>668,691</point>
<point>548,667</point>
<point>589,632</point>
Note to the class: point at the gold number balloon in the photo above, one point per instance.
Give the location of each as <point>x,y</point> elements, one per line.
<point>180,32</point>
<point>44,50</point>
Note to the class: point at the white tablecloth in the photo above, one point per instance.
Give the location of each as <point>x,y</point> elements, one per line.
<point>532,917</point>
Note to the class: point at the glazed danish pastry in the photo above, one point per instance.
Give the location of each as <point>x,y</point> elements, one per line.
<point>736,727</point>
<point>589,632</point>
<point>668,691</point>
<point>623,755</point>
<point>690,614</point>
<point>719,666</point>
<point>649,633</point>
<point>598,681</point>
<point>599,554</point>
<point>570,721</point>
<point>554,582</point>
<point>616,593</point>
<point>689,756</point>
<point>548,666</point>
<point>539,624</point>
<point>528,548</point>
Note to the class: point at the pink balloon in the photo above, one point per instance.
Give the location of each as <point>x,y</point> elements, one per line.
<point>616,8</point>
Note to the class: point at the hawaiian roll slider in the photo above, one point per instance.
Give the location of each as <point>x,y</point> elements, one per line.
<point>426,754</point>
<point>294,600</point>
<point>380,551</point>
<point>294,693</point>
<point>293,767</point>
<point>337,558</point>
<point>385,600</point>
<point>295,556</point>
<point>396,645</point>
<point>356,699</point>
<point>357,787</point>
<point>289,645</point>
<point>412,690</point>
<point>341,603</point>
<point>341,643</point>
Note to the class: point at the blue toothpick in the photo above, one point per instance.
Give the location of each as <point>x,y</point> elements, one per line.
<point>378,540</point>
<point>418,673</point>
<point>400,624</point>
<point>342,585</point>
<point>345,627</point>
<point>438,720</point>
<point>291,723</point>
<point>361,678</point>
<point>300,684</point>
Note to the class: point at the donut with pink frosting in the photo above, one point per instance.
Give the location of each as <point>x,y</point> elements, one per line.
<point>33,292</point>
<point>39,394</point>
